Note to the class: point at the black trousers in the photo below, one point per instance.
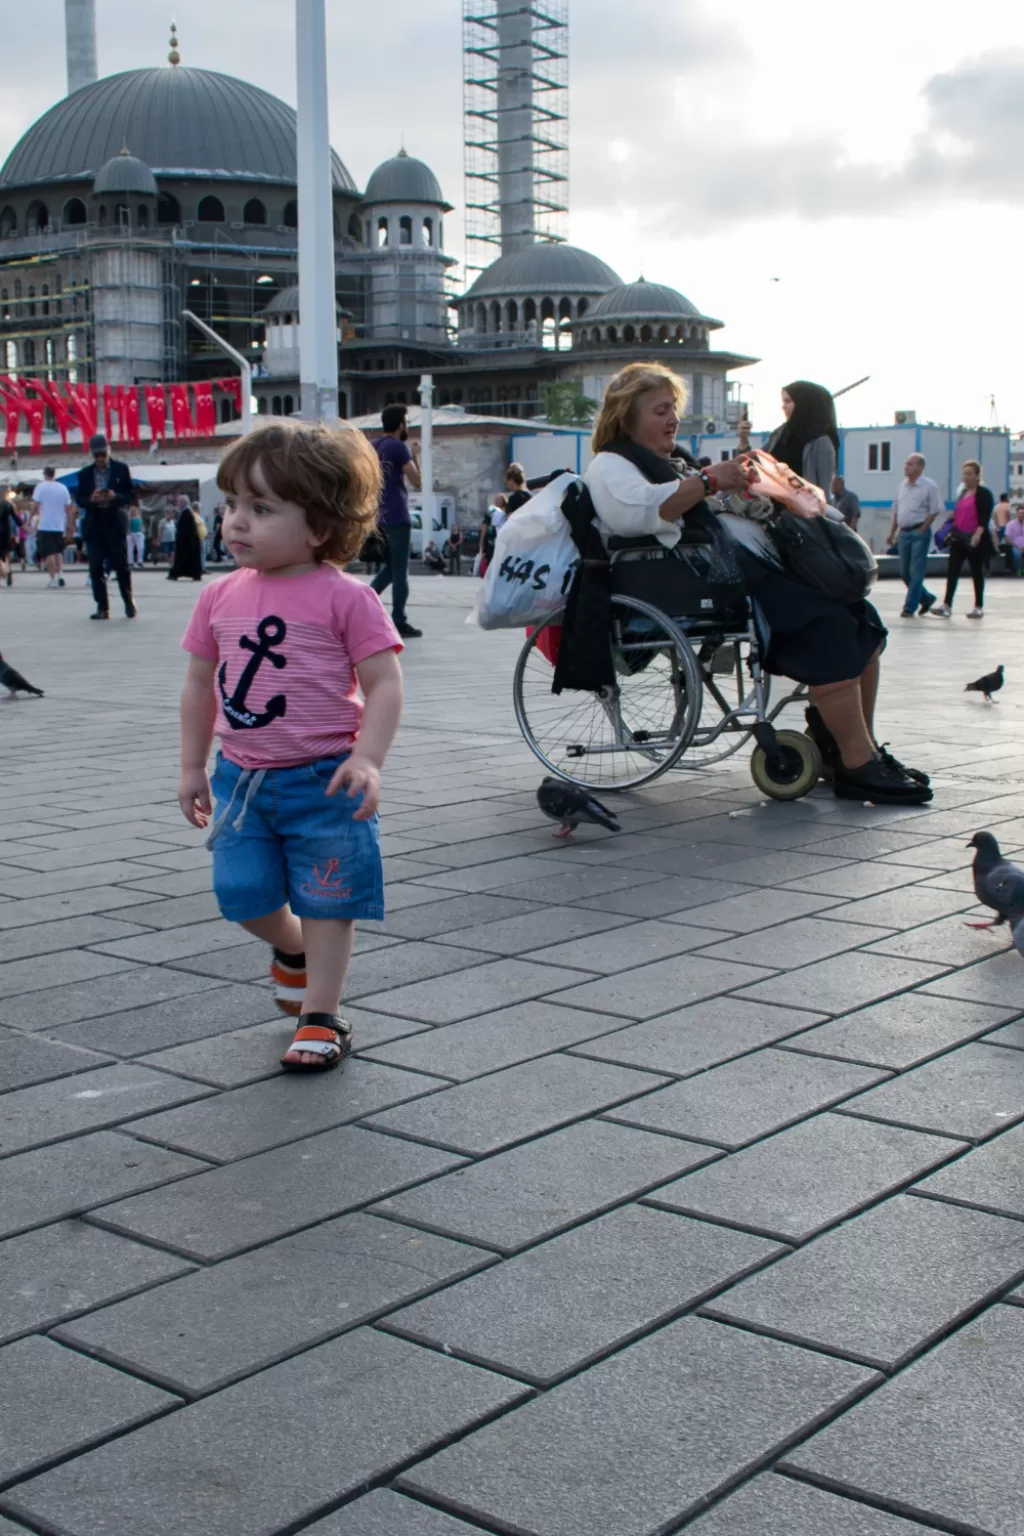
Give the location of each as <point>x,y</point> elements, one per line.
<point>976,557</point>
<point>107,542</point>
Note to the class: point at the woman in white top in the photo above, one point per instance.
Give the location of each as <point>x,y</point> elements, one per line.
<point>641,484</point>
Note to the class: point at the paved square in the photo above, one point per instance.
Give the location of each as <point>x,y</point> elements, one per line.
<point>675,1183</point>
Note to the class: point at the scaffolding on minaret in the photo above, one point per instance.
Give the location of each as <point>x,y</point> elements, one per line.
<point>516,125</point>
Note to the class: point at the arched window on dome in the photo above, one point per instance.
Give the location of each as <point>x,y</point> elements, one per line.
<point>383,233</point>
<point>481,319</point>
<point>29,350</point>
<point>595,334</point>
<point>37,217</point>
<point>290,217</point>
<point>210,211</point>
<point>512,315</point>
<point>663,333</point>
<point>8,222</point>
<point>168,209</point>
<point>613,334</point>
<point>289,405</point>
<point>628,333</point>
<point>32,299</point>
<point>582,305</point>
<point>74,212</point>
<point>427,232</point>
<point>405,230</point>
<point>275,405</point>
<point>495,316</point>
<point>123,216</point>
<point>646,333</point>
<point>565,309</point>
<point>680,333</point>
<point>255,211</point>
<point>529,312</point>
<point>142,215</point>
<point>368,234</point>
<point>45,295</point>
<point>355,228</point>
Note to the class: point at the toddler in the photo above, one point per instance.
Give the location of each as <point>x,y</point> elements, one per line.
<point>277,651</point>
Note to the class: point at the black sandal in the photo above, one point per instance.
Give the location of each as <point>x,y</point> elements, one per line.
<point>325,1035</point>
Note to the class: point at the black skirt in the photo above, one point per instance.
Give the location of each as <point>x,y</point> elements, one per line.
<point>812,639</point>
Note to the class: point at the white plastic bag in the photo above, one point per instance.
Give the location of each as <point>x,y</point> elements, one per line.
<point>534,559</point>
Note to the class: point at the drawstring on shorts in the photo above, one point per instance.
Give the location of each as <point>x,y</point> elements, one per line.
<point>251,778</point>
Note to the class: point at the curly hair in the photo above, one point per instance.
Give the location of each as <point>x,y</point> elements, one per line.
<point>618,407</point>
<point>331,472</point>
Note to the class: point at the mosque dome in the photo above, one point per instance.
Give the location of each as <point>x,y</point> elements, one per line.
<point>544,268</point>
<point>643,301</point>
<point>125,173</point>
<point>403,179</point>
<point>178,121</point>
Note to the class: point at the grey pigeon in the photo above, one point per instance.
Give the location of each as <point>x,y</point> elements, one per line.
<point>15,683</point>
<point>568,805</point>
<point>988,685</point>
<point>998,884</point>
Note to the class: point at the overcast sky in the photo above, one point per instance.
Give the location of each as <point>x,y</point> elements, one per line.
<point>865,153</point>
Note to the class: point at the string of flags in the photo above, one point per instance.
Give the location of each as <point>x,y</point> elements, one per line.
<point>77,407</point>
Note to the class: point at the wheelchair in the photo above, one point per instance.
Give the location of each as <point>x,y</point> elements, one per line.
<point>690,687</point>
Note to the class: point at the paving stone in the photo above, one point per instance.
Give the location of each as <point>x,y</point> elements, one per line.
<point>492,1041</point>
<point>206,1009</point>
<point>910,905</point>
<point>971,1093</point>
<point>997,980</point>
<point>546,1186</point>
<point>72,965</point>
<point>874,843</point>
<point>900,1032</point>
<point>155,948</point>
<point>8,1528</point>
<point>659,987</point>
<point>65,858</point>
<point>807,1178</point>
<point>266,1114</point>
<point>59,882</point>
<point>572,886</point>
<point>735,1104</point>
<point>665,898</point>
<point>229,1209</point>
<point>405,895</point>
<point>688,857</point>
<point>949,941</point>
<point>86,1102</point>
<point>844,982</point>
<point>792,944</point>
<point>337,1419</point>
<point>26,1059</point>
<point>751,911</point>
<point>494,985</point>
<point>75,1176</point>
<point>243,1056</point>
<point>771,869</point>
<point>559,1306</point>
<point>1011,1035</point>
<point>640,1441</point>
<point>170,914</point>
<point>779,1506</point>
<point>28,913</point>
<point>524,1101</point>
<point>544,926</point>
<point>453,916</point>
<point>54,1402</point>
<point>406,963</point>
<point>694,1038</point>
<point>864,879</point>
<point>627,948</point>
<point>242,962</point>
<point>907,1447</point>
<point>988,1177</point>
<point>884,1286</point>
<point>154,882</point>
<point>493,876</point>
<point>54,1273</point>
<point>246,1314</point>
<point>136,987</point>
<point>383,1513</point>
<point>43,939</point>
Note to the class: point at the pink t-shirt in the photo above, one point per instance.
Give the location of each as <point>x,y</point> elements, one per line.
<point>966,515</point>
<point>287,648</point>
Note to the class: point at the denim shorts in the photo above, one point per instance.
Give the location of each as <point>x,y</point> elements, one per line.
<point>280,838</point>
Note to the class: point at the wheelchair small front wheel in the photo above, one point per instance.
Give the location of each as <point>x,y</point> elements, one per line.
<point>795,771</point>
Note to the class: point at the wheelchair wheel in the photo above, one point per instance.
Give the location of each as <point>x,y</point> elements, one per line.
<point>799,773</point>
<point>626,734</point>
<point>728,686</point>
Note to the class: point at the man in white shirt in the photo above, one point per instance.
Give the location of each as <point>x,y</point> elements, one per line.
<point>914,510</point>
<point>50,505</point>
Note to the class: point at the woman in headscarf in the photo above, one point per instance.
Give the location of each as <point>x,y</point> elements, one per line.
<point>808,440</point>
<point>188,560</point>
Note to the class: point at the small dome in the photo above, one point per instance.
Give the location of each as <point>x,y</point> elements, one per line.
<point>125,174</point>
<point>404,180</point>
<point>287,303</point>
<point>544,268</point>
<point>643,300</point>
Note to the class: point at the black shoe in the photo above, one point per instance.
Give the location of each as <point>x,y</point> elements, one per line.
<point>130,611</point>
<point>917,774</point>
<point>101,613</point>
<point>828,747</point>
<point>60,581</point>
<point>408,631</point>
<point>906,613</point>
<point>10,579</point>
<point>928,601</point>
<point>880,782</point>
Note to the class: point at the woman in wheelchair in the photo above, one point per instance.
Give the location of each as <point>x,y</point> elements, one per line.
<point>640,484</point>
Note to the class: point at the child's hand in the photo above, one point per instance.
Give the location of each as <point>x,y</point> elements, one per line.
<point>194,796</point>
<point>359,777</point>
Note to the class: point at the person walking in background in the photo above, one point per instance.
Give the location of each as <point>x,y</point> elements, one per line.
<point>104,493</point>
<point>915,508</point>
<point>518,495</point>
<point>51,505</point>
<point>136,539</point>
<point>1013,541</point>
<point>845,502</point>
<point>454,551</point>
<point>188,562</point>
<point>971,540</point>
<point>166,533</point>
<point>808,440</point>
<point>400,468</point>
<point>8,529</point>
<point>1001,514</point>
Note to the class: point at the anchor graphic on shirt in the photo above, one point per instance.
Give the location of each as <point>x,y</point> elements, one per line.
<point>271,631</point>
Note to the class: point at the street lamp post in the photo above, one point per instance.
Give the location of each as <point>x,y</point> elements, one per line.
<point>318,319</point>
<point>236,357</point>
<point>426,388</point>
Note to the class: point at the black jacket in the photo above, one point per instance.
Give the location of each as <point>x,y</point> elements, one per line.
<point>119,480</point>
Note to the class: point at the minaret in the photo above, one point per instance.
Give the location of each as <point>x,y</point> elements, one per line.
<point>80,29</point>
<point>515,125</point>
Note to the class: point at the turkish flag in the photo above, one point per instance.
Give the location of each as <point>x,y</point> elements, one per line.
<point>233,388</point>
<point>206,414</point>
<point>181,414</point>
<point>128,412</point>
<point>156,411</point>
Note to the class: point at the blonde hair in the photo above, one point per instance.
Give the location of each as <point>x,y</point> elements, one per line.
<point>972,464</point>
<point>332,473</point>
<point>516,473</point>
<point>618,408</point>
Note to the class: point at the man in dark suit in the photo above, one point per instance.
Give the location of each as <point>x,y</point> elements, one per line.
<point>105,490</point>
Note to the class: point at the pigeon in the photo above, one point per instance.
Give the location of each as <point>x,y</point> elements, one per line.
<point>15,683</point>
<point>998,884</point>
<point>568,805</point>
<point>988,685</point>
